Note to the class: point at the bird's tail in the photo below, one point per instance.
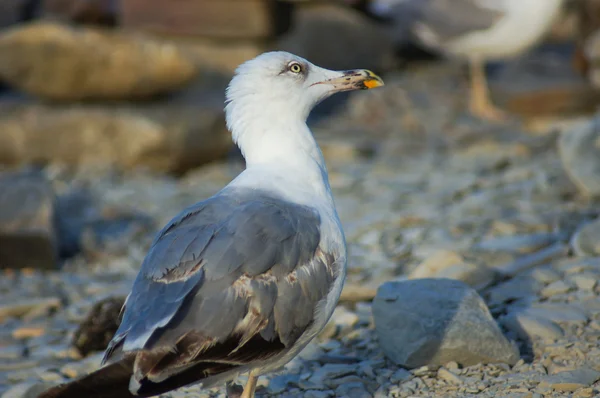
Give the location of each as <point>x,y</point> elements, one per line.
<point>111,381</point>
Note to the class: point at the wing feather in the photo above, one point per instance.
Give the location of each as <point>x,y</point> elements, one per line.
<point>229,281</point>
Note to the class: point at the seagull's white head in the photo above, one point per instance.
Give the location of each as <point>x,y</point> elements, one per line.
<point>277,90</point>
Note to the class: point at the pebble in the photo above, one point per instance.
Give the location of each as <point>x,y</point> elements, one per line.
<point>280,383</point>
<point>449,376</point>
<point>518,243</point>
<point>452,365</point>
<point>584,281</point>
<point>311,352</point>
<point>449,264</point>
<point>545,275</point>
<point>352,390</point>
<point>20,308</point>
<point>523,288</point>
<point>11,352</point>
<point>89,364</point>
<point>25,390</point>
<point>558,312</point>
<point>579,153</point>
<point>570,381</point>
<point>584,393</point>
<point>334,383</point>
<point>530,260</point>
<point>585,240</point>
<point>318,394</point>
<point>555,288</point>
<point>344,320</point>
<point>400,375</point>
<point>28,332</point>
<point>528,326</point>
<point>330,371</point>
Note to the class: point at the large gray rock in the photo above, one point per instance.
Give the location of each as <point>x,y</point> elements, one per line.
<point>60,62</point>
<point>435,321</point>
<point>579,150</point>
<point>162,137</point>
<point>87,226</point>
<point>27,230</point>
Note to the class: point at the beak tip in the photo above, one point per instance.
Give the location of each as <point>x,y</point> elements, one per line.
<point>372,80</point>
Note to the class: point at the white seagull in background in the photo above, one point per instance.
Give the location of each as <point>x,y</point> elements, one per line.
<point>477,30</point>
<point>241,282</point>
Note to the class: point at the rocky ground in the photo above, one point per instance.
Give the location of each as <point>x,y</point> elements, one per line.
<point>423,191</point>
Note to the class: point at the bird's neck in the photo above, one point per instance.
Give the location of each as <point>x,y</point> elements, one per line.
<point>281,153</point>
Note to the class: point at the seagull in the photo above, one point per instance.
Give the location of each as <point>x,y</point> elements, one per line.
<point>242,281</point>
<point>476,30</point>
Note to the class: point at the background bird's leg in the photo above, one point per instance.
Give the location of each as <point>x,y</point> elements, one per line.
<point>250,387</point>
<point>480,103</point>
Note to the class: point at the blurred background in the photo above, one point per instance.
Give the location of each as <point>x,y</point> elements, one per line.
<point>111,122</point>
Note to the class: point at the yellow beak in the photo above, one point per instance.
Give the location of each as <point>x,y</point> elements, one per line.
<point>358,79</point>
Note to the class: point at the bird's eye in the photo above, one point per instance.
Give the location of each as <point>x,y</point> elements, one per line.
<point>295,67</point>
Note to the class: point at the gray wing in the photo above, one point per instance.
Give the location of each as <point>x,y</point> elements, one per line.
<point>437,21</point>
<point>230,280</point>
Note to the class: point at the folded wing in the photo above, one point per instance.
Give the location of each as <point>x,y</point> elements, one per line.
<point>231,280</point>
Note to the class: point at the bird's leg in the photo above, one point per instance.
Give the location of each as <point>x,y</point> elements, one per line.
<point>250,387</point>
<point>480,103</point>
